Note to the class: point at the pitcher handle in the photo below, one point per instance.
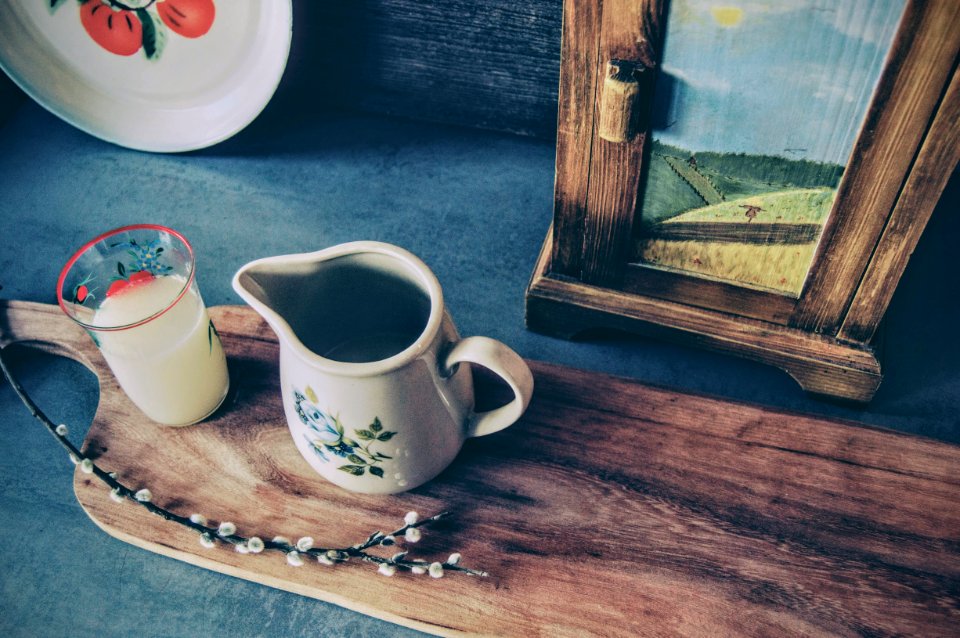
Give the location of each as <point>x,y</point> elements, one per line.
<point>506,364</point>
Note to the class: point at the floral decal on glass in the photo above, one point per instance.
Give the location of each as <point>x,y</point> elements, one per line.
<point>328,438</point>
<point>146,265</point>
<point>128,26</point>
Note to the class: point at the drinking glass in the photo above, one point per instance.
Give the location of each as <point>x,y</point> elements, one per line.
<point>134,290</point>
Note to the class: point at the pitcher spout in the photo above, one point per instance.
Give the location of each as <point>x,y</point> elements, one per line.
<point>318,302</point>
<point>249,283</point>
<point>275,288</point>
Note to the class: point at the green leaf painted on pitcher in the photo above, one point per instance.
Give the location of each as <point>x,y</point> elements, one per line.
<point>327,437</point>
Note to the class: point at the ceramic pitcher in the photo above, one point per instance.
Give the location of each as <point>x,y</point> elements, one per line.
<point>376,382</point>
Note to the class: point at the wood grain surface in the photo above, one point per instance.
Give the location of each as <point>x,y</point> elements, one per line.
<point>628,30</point>
<point>821,364</point>
<point>928,178</point>
<point>576,113</point>
<point>491,63</point>
<point>612,508</point>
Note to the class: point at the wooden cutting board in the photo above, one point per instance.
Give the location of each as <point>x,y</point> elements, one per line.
<point>613,508</point>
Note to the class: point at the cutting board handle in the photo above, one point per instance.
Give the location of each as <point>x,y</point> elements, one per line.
<point>47,328</point>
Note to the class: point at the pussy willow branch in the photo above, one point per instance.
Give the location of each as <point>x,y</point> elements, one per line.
<point>332,554</point>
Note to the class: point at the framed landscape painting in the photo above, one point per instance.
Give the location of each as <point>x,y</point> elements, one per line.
<point>756,111</point>
<point>748,175</point>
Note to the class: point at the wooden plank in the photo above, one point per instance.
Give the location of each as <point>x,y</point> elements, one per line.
<point>921,61</point>
<point>701,292</point>
<point>629,30</point>
<point>821,364</point>
<point>612,509</point>
<point>578,78</point>
<point>491,64</point>
<point>928,178</point>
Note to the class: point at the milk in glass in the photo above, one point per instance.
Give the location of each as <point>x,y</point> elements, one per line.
<point>173,366</point>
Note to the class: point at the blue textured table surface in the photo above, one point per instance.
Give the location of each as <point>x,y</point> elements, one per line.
<point>474,205</point>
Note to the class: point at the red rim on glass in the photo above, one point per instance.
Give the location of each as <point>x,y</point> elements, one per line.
<point>111,233</point>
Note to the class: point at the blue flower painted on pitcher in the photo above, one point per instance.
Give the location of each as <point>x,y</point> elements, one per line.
<point>326,428</point>
<point>327,435</point>
<point>327,431</point>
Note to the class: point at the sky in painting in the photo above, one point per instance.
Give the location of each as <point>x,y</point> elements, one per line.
<point>774,77</point>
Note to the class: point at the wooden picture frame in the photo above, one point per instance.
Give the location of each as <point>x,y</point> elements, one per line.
<point>901,160</point>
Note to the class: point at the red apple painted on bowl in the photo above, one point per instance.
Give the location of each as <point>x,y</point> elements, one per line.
<point>189,18</point>
<point>117,31</point>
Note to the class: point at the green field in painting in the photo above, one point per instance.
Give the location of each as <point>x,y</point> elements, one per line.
<point>730,175</point>
<point>807,205</point>
<point>752,197</point>
<point>776,266</point>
